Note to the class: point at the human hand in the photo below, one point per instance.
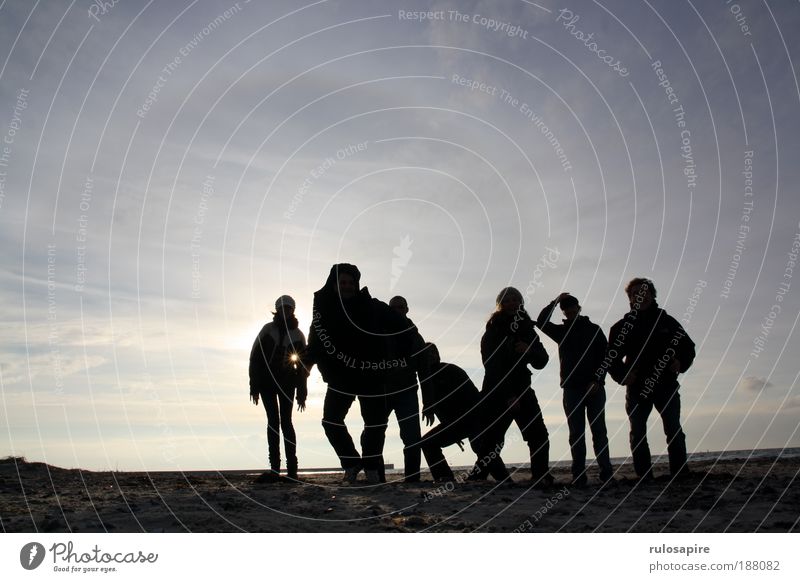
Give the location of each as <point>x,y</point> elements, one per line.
<point>428,416</point>
<point>301,406</point>
<point>675,366</point>
<point>254,398</point>
<point>562,296</point>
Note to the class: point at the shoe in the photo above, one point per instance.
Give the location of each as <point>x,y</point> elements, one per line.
<point>546,481</point>
<point>351,475</point>
<point>270,476</point>
<point>291,473</point>
<point>579,482</point>
<point>373,476</point>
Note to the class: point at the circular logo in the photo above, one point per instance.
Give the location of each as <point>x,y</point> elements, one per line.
<point>31,555</point>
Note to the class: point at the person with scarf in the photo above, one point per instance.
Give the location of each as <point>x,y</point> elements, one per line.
<point>275,376</point>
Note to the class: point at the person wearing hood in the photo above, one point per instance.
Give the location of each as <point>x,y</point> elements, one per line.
<point>508,346</point>
<point>354,339</point>
<point>647,351</point>
<point>581,349</point>
<point>275,376</point>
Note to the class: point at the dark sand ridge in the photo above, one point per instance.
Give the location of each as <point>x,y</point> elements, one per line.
<point>731,495</point>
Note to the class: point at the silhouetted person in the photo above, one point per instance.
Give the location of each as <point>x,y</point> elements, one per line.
<point>401,393</point>
<point>508,346</point>
<point>275,375</point>
<point>581,349</point>
<point>646,352</point>
<point>449,395</point>
<point>354,340</point>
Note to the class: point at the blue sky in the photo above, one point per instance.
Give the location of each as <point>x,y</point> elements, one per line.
<point>171,168</point>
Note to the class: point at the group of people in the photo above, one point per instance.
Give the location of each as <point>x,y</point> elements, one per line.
<point>370,351</point>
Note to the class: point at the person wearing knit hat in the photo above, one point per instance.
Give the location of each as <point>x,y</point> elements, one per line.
<point>276,376</point>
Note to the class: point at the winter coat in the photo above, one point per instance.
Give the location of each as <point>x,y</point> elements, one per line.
<point>270,367</point>
<point>646,341</point>
<point>507,374</point>
<point>448,392</point>
<point>581,348</point>
<point>355,342</point>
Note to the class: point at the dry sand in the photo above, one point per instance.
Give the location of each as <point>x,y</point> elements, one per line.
<point>732,495</point>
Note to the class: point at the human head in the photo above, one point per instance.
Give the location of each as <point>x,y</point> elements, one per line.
<point>570,307</point>
<point>344,279</point>
<point>399,304</point>
<point>284,301</point>
<point>509,301</point>
<point>641,293</point>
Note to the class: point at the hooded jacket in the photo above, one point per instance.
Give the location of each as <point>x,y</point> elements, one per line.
<point>581,348</point>
<point>270,369</point>
<point>647,341</point>
<point>507,374</point>
<point>355,342</point>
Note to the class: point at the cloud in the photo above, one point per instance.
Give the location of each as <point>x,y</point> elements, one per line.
<point>754,384</point>
<point>792,403</point>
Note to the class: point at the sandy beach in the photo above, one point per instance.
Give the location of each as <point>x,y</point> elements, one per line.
<point>724,496</point>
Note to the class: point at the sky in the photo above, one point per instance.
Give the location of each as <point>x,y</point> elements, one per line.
<point>167,170</point>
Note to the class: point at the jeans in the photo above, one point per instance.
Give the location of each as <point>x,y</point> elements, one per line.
<point>375,414</point>
<point>444,435</point>
<point>526,412</point>
<point>278,404</point>
<point>578,405</point>
<point>406,408</point>
<point>668,404</point>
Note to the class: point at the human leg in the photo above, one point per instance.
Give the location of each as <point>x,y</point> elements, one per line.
<point>334,410</point>
<point>596,413</point>
<point>286,401</point>
<point>529,419</point>
<point>638,411</point>
<point>406,408</point>
<point>375,412</point>
<point>270,401</point>
<point>574,405</point>
<point>669,407</point>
